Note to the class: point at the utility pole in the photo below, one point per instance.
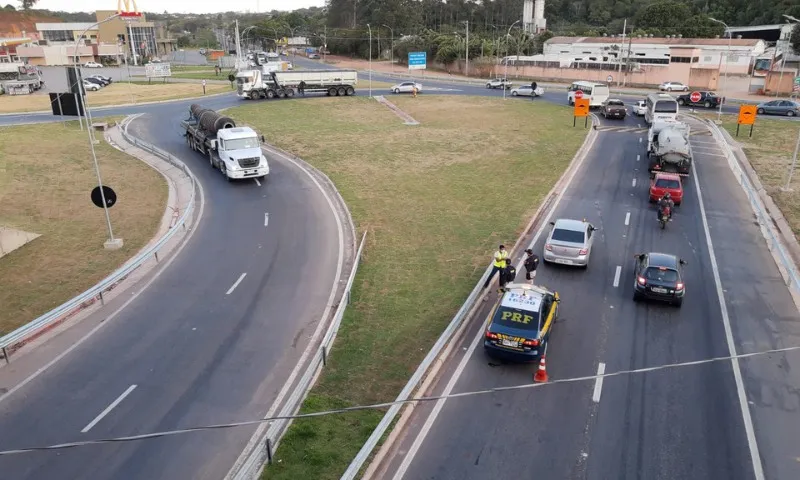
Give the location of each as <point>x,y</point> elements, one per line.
<point>621,48</point>
<point>466,67</point>
<point>238,46</point>
<point>324,42</point>
<point>355,5</point>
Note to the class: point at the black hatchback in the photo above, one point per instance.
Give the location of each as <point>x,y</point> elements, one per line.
<point>659,276</point>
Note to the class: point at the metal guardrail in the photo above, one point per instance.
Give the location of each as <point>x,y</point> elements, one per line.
<point>763,217</point>
<point>12,341</point>
<point>263,451</point>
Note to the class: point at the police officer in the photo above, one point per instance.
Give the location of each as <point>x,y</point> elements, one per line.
<point>533,89</point>
<point>531,262</point>
<point>500,258</point>
<point>302,88</point>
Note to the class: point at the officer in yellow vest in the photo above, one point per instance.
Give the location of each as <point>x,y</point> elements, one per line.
<point>500,260</point>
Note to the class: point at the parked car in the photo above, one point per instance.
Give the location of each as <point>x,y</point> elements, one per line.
<point>659,276</point>
<point>95,81</point>
<point>673,87</point>
<point>313,56</point>
<point>639,108</point>
<point>102,78</point>
<point>790,108</point>
<point>614,108</point>
<point>202,51</point>
<point>499,83</point>
<point>707,99</point>
<point>662,183</point>
<point>569,242</point>
<point>92,87</point>
<point>406,87</point>
<point>527,91</point>
<point>92,65</point>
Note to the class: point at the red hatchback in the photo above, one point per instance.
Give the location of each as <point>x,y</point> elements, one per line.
<point>662,183</point>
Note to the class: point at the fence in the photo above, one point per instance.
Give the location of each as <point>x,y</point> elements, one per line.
<point>16,339</point>
<point>263,450</point>
<point>782,258</point>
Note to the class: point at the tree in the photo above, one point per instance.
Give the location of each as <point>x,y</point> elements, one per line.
<point>796,38</point>
<point>27,4</point>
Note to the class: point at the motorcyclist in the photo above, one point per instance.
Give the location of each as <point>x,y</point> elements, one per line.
<point>664,203</point>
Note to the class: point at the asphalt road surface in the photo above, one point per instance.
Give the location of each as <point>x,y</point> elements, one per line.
<point>212,340</point>
<point>673,423</point>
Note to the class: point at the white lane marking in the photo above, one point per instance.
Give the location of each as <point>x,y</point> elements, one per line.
<point>640,139</point>
<point>426,427</point>
<point>116,312</point>
<point>266,219</point>
<point>617,273</point>
<point>627,219</point>
<point>233,287</point>
<point>634,182</point>
<point>598,382</point>
<point>638,125</point>
<point>108,409</point>
<point>755,456</point>
<point>638,157</point>
<point>257,182</point>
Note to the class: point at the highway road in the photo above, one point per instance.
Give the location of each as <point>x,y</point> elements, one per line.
<point>672,423</point>
<point>681,423</point>
<point>212,340</point>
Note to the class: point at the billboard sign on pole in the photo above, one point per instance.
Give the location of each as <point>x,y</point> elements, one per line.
<point>417,60</point>
<point>157,70</point>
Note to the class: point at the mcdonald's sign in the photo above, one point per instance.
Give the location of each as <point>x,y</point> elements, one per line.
<point>124,9</point>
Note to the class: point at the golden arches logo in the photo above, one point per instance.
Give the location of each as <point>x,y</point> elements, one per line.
<point>124,8</point>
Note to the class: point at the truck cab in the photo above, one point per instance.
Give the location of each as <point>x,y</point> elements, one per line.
<point>239,153</point>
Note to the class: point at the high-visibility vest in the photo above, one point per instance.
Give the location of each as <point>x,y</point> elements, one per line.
<point>500,258</point>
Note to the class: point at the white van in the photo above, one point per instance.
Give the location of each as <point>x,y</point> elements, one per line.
<point>597,93</point>
<point>660,107</point>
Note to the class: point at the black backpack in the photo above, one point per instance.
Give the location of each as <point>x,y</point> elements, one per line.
<point>531,263</point>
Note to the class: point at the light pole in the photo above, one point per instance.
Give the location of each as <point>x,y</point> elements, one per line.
<point>111,243</point>
<point>370,60</point>
<point>783,57</point>
<point>505,75</point>
<point>727,59</point>
<point>392,49</point>
<point>494,43</point>
<point>466,52</point>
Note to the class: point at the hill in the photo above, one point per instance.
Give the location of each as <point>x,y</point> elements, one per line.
<point>12,24</point>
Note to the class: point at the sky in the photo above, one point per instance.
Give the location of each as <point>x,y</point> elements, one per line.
<point>180,6</point>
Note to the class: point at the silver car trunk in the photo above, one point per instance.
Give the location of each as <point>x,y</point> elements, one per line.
<point>566,249</point>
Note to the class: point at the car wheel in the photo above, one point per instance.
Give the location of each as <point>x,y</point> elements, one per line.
<point>669,89</point>
<point>707,104</point>
<point>488,86</point>
<point>514,94</point>
<point>396,90</point>
<point>790,113</point>
<point>760,111</point>
<point>681,102</point>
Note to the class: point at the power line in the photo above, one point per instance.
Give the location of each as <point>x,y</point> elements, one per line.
<point>377,406</point>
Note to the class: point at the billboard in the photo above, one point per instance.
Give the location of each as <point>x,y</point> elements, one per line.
<point>417,60</point>
<point>157,70</point>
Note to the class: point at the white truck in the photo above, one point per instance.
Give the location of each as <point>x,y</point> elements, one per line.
<point>19,79</point>
<point>668,148</point>
<point>260,83</point>
<point>234,151</point>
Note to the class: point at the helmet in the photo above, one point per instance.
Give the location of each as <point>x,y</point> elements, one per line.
<point>667,195</point>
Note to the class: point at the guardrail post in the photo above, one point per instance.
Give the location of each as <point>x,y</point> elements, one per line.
<point>269,451</point>
<point>5,355</point>
<point>324,356</point>
<point>102,300</point>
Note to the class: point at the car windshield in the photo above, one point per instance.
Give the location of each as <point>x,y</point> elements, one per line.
<point>240,143</point>
<point>668,183</point>
<point>572,236</point>
<point>661,274</point>
<point>616,102</point>
<point>516,318</point>
<point>666,106</point>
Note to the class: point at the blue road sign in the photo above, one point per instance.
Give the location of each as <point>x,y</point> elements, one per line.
<point>417,60</point>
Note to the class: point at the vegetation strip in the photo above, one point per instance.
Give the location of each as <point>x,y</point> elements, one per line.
<point>434,200</point>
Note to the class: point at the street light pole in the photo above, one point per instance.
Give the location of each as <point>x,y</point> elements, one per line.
<point>794,163</point>
<point>370,60</point>
<point>466,53</point>
<point>505,75</point>
<point>392,49</point>
<point>727,59</point>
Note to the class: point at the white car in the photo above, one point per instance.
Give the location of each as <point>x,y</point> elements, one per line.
<point>406,87</point>
<point>499,83</point>
<point>92,87</point>
<point>673,86</point>
<point>527,91</point>
<point>639,108</point>
<point>92,65</point>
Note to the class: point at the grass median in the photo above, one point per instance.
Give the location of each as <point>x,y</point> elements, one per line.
<point>770,151</point>
<point>435,199</point>
<point>48,174</point>
<point>118,93</point>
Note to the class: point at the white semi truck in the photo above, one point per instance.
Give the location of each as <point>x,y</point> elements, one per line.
<point>234,151</point>
<point>668,147</point>
<point>19,79</point>
<point>261,83</point>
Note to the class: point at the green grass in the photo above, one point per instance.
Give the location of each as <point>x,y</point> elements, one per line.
<point>435,200</point>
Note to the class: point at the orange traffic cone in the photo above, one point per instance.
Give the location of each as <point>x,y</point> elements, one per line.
<point>541,373</point>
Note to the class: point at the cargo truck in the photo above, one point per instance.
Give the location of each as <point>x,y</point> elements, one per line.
<point>19,79</point>
<point>668,148</point>
<point>262,83</point>
<point>234,151</point>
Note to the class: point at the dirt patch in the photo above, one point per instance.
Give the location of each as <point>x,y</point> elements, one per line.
<point>118,93</point>
<point>47,176</point>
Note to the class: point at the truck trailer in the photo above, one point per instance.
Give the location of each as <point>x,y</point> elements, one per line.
<point>262,83</point>
<point>234,151</point>
<point>668,148</point>
<point>19,79</point>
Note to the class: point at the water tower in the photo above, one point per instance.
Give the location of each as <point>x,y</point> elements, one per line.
<point>533,20</point>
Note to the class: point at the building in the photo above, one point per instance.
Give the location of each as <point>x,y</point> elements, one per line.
<point>8,48</point>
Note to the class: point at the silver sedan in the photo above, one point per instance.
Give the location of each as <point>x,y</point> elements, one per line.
<point>569,242</point>
<point>527,91</point>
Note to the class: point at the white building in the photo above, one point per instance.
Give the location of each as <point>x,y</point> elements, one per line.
<point>707,52</point>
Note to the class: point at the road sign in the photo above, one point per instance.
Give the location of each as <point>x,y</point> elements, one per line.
<point>609,79</point>
<point>124,9</point>
<point>417,60</point>
<point>157,70</point>
<point>695,97</point>
<point>581,106</point>
<point>747,114</point>
<point>578,94</point>
<point>796,86</point>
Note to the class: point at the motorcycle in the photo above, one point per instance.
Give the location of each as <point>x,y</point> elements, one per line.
<point>664,217</point>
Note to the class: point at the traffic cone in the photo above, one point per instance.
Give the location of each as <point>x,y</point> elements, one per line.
<point>541,373</point>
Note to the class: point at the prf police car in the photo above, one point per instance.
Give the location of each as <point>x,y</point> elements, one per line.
<point>521,324</point>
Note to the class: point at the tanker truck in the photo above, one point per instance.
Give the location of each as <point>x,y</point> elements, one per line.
<point>668,148</point>
<point>234,151</point>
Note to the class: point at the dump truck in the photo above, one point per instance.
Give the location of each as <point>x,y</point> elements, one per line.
<point>668,148</point>
<point>262,83</point>
<point>234,151</point>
